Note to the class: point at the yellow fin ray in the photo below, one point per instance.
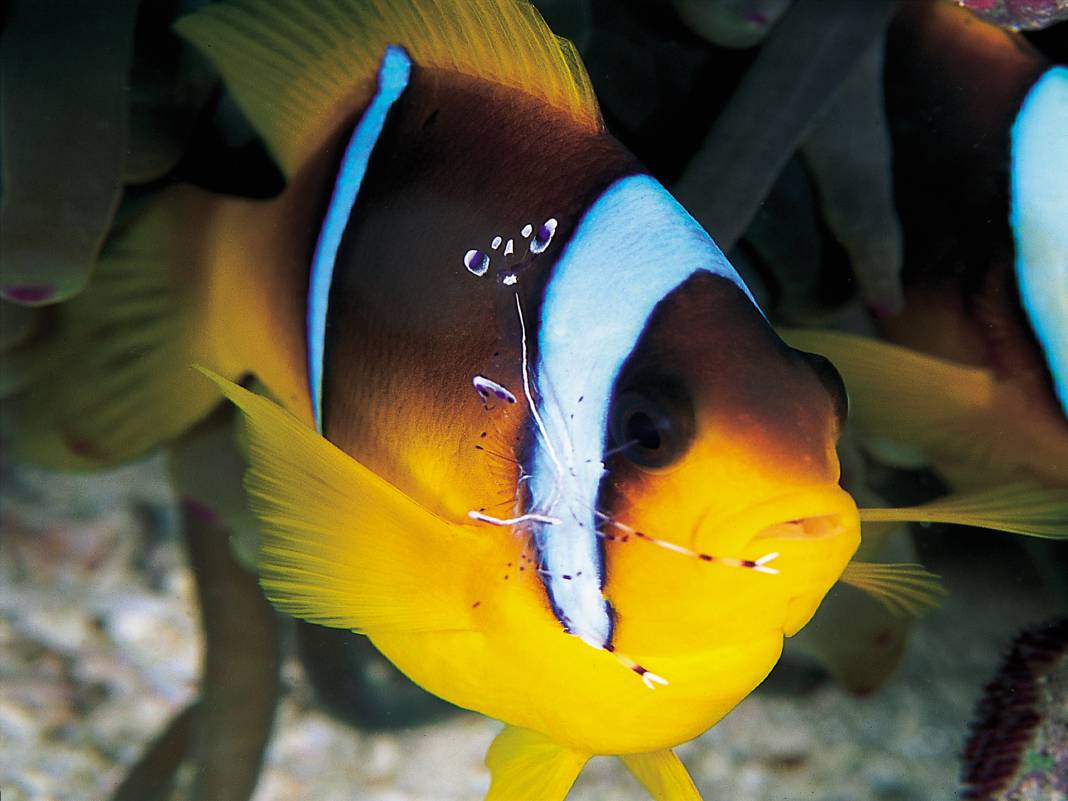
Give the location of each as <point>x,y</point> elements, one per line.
<point>341,546</point>
<point>903,588</point>
<point>525,764</point>
<point>299,70</point>
<point>1020,508</point>
<point>663,776</point>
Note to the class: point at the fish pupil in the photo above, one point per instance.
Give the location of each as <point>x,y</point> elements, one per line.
<point>643,431</point>
<point>652,426</point>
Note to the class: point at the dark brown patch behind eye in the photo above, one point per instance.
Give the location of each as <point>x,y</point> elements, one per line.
<point>741,377</point>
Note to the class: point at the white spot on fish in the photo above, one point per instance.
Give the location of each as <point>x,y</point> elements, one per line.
<point>509,280</point>
<point>509,249</point>
<point>496,243</point>
<point>487,388</point>
<point>476,262</point>
<point>528,229</point>
<point>544,236</point>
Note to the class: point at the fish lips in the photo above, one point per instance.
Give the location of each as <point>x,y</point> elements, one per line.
<point>813,534</point>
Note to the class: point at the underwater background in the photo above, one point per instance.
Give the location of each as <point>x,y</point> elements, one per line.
<point>113,622</point>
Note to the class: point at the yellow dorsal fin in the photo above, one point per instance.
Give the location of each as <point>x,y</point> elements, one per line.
<point>341,546</point>
<point>663,776</point>
<point>527,764</point>
<point>1021,508</point>
<point>298,69</point>
<point>902,588</point>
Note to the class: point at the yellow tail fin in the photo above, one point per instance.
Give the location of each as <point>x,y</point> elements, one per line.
<point>299,69</point>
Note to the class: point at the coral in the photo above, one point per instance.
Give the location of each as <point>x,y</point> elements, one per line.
<point>1018,747</point>
<point>1019,14</point>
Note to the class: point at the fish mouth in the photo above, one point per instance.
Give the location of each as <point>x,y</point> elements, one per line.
<point>817,515</point>
<point>816,527</point>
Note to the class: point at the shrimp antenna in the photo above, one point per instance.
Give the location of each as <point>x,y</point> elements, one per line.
<point>759,565</point>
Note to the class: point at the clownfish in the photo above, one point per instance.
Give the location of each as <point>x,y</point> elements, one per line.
<point>518,419</point>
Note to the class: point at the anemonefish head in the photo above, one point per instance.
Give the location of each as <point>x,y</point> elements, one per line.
<point>682,483</point>
<point>723,442</point>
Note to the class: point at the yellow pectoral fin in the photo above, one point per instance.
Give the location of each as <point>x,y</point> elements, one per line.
<point>527,765</point>
<point>1021,508</point>
<point>341,546</point>
<point>663,775</point>
<point>902,588</point>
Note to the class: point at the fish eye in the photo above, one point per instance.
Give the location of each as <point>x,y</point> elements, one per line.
<point>650,428</point>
